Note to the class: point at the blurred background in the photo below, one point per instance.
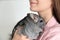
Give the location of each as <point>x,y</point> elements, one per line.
<point>11,11</point>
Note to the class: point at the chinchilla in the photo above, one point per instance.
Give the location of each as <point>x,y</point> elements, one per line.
<point>32,26</point>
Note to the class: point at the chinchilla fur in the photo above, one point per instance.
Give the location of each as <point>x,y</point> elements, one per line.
<point>32,26</point>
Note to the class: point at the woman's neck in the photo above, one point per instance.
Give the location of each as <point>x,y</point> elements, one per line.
<point>46,15</point>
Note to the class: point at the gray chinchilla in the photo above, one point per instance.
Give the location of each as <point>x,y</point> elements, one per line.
<point>32,25</point>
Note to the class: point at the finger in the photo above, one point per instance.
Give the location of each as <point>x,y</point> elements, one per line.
<point>16,36</point>
<point>16,32</point>
<point>23,37</point>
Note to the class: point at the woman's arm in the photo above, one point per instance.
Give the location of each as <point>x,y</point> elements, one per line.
<point>19,37</point>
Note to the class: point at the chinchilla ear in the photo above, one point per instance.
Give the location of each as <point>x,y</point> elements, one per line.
<point>33,16</point>
<point>30,15</point>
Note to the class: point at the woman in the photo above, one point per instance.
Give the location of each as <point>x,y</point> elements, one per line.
<point>50,11</point>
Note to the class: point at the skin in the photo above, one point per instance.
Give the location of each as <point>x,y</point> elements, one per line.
<point>19,37</point>
<point>43,8</point>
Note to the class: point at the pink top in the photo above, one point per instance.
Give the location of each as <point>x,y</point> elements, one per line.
<point>51,30</point>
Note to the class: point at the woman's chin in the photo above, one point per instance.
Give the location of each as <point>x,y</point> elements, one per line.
<point>33,9</point>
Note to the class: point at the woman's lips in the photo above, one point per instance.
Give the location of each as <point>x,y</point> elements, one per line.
<point>33,3</point>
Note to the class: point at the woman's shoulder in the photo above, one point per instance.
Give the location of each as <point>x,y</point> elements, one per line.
<point>57,25</point>
<point>54,33</point>
<point>55,28</point>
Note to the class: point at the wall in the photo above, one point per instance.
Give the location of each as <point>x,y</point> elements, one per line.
<point>11,11</point>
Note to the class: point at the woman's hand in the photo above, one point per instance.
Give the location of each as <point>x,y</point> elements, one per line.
<point>19,37</point>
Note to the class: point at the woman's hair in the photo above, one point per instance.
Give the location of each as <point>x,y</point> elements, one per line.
<point>56,9</point>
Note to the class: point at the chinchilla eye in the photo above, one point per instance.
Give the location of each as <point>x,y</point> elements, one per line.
<point>41,20</point>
